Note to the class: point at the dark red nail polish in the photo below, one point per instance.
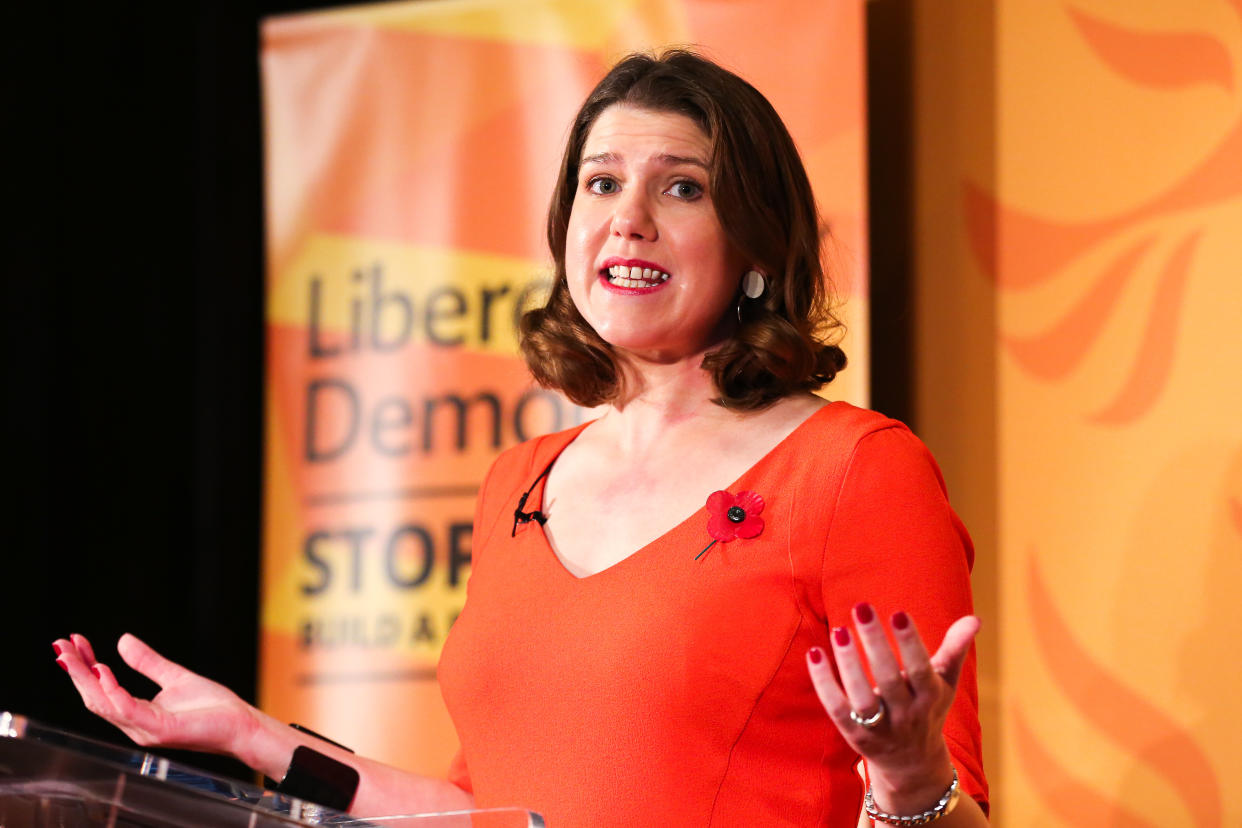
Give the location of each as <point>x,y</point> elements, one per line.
<point>97,671</point>
<point>900,620</point>
<point>864,613</point>
<point>842,636</point>
<point>817,655</point>
<point>63,665</point>
<point>56,649</point>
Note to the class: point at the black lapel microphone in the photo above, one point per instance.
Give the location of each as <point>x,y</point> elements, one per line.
<point>526,517</point>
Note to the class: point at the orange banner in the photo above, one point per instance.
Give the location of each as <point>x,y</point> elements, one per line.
<point>1096,150</point>
<point>411,149</point>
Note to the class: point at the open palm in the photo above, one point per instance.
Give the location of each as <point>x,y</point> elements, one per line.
<point>190,711</point>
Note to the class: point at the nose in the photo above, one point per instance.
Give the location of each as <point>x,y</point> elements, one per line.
<point>632,217</point>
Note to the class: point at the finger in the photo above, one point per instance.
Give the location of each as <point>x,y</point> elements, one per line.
<point>85,681</point>
<point>885,670</point>
<point>84,648</point>
<point>141,657</point>
<point>830,694</point>
<point>133,716</point>
<point>914,659</point>
<point>853,677</point>
<point>62,646</point>
<point>949,659</point>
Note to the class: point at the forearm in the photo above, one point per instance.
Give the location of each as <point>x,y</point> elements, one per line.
<point>967,814</point>
<point>382,789</point>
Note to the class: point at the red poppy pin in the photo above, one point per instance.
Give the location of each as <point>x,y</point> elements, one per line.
<point>732,516</point>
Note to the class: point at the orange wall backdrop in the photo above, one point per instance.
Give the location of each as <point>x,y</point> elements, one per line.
<point>411,149</point>
<point>1080,232</point>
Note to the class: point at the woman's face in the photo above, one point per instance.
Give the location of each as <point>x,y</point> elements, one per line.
<point>648,264</point>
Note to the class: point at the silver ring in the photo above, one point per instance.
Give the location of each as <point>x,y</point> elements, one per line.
<point>874,719</point>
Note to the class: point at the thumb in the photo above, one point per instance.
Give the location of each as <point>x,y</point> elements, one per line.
<point>137,654</point>
<point>949,659</point>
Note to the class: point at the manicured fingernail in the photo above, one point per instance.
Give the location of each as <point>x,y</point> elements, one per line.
<point>63,665</point>
<point>97,671</point>
<point>56,649</point>
<point>900,620</point>
<point>817,655</point>
<point>864,613</point>
<point>842,636</point>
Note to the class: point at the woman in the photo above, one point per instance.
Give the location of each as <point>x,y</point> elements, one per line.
<point>617,661</point>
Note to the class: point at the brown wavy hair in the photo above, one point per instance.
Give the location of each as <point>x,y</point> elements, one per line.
<point>786,340</point>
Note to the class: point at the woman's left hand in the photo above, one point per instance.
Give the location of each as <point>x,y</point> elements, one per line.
<point>907,760</point>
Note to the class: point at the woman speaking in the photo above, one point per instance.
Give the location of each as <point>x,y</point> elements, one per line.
<point>703,607</point>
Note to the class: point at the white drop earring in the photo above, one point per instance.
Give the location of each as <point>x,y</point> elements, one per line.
<point>752,288</point>
<point>753,284</point>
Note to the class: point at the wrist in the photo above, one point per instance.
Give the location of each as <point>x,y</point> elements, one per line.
<point>944,805</point>
<point>267,745</point>
<point>912,790</point>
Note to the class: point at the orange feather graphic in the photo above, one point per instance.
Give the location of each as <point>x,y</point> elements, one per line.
<point>1121,714</point>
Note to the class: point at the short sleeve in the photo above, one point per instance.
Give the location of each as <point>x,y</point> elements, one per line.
<point>895,542</point>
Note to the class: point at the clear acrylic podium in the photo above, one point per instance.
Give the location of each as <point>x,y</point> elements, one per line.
<point>54,779</point>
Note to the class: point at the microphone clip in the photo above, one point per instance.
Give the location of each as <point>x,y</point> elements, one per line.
<point>520,516</point>
<point>526,517</point>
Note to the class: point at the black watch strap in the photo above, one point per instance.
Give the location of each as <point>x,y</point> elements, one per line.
<point>309,732</point>
<point>318,778</point>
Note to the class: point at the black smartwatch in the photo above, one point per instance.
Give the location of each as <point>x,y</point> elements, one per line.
<point>318,778</point>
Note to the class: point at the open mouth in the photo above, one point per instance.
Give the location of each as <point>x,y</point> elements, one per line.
<point>634,276</point>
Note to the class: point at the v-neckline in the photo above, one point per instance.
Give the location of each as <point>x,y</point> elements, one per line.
<point>535,501</point>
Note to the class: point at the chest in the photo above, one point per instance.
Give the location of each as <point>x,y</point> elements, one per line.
<point>599,517</point>
<point>662,629</point>
<point>648,672</point>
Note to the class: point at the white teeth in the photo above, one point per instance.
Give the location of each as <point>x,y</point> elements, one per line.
<point>635,277</point>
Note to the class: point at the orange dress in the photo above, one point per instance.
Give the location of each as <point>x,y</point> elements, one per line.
<point>667,690</point>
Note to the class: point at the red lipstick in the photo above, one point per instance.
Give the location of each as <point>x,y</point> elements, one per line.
<point>632,285</point>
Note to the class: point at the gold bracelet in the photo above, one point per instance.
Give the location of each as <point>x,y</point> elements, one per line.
<point>945,806</point>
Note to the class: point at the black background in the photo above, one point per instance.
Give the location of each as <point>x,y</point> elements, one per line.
<point>134,325</point>
<point>134,358</point>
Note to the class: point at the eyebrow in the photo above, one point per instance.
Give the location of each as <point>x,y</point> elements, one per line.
<point>664,158</point>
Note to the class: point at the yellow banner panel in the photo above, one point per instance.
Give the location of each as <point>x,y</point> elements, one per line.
<point>411,151</point>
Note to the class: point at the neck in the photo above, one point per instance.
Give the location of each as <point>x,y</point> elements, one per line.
<point>665,399</point>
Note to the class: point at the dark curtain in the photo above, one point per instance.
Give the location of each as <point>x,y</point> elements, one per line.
<point>134,358</point>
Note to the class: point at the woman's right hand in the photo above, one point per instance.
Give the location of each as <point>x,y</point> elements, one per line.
<point>195,713</point>
<point>189,712</point>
